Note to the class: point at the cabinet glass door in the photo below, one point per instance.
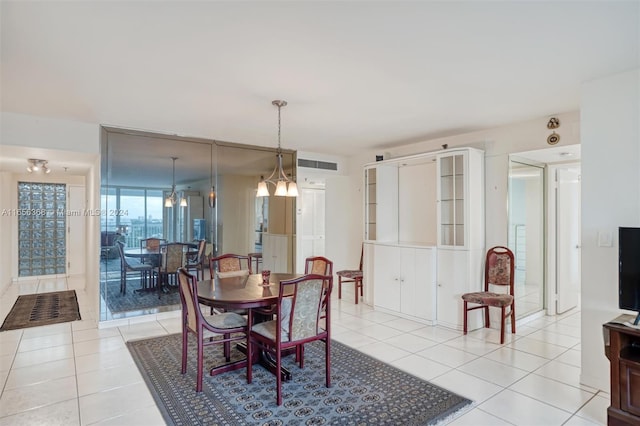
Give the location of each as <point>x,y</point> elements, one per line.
<point>452,200</point>
<point>370,204</point>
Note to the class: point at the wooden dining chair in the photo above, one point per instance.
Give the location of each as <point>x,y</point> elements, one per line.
<point>318,265</point>
<point>352,276</point>
<point>498,271</point>
<point>302,302</point>
<point>152,243</point>
<point>126,267</point>
<point>172,258</point>
<point>196,262</point>
<point>228,264</point>
<point>230,325</point>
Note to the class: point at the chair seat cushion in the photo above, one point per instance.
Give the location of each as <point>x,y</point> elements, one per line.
<point>488,298</point>
<point>352,274</point>
<point>268,330</point>
<point>226,320</point>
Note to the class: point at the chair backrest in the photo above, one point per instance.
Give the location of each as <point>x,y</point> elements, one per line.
<point>302,302</point>
<point>202,244</point>
<point>123,259</point>
<point>172,257</point>
<point>229,263</point>
<point>318,265</point>
<point>152,243</point>
<point>188,296</point>
<point>499,268</point>
<point>361,256</point>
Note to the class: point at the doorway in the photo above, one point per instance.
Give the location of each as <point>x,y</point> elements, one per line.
<point>560,234</point>
<point>526,233</point>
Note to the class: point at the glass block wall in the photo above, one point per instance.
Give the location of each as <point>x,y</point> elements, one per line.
<point>41,223</point>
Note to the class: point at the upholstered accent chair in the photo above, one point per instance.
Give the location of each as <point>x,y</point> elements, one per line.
<point>352,276</point>
<point>231,326</point>
<point>498,273</point>
<point>303,315</point>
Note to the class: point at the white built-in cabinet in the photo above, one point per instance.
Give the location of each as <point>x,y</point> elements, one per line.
<point>424,234</point>
<point>405,278</point>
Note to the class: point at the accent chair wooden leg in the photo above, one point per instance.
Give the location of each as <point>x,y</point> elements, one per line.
<point>487,318</point>
<point>464,322</point>
<point>502,320</point>
<point>339,287</point>
<point>513,318</point>
<point>355,287</point>
<point>361,285</point>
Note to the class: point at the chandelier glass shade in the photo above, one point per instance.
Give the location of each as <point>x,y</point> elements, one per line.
<point>172,198</point>
<point>36,165</point>
<point>285,187</point>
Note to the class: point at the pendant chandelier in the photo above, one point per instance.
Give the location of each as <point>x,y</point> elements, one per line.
<point>278,178</point>
<point>172,199</point>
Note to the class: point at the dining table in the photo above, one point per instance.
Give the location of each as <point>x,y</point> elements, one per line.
<point>244,291</point>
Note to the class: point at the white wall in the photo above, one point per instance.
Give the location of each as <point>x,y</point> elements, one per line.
<point>59,139</point>
<point>610,127</point>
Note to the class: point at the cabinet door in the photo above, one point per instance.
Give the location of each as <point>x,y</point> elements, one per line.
<point>418,287</point>
<point>387,278</point>
<point>451,199</point>
<point>453,277</point>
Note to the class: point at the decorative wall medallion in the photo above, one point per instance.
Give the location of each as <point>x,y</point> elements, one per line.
<point>553,138</point>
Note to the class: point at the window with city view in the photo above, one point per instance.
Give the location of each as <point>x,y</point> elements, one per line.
<point>137,213</point>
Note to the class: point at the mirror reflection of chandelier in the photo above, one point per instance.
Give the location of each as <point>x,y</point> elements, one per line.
<point>278,178</point>
<point>172,199</point>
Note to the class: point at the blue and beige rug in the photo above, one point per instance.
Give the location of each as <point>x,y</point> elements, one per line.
<point>364,391</point>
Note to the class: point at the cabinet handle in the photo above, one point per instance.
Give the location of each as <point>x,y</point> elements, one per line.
<point>439,285</point>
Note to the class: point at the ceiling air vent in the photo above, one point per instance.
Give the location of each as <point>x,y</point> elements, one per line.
<point>314,164</point>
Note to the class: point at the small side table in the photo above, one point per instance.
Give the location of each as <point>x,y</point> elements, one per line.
<point>257,257</point>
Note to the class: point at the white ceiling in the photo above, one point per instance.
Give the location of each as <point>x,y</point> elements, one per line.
<point>356,74</point>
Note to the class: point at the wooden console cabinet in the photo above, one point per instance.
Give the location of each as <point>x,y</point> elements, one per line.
<point>622,348</point>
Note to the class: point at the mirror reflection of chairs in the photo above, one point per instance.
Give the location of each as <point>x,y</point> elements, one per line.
<point>145,271</point>
<point>172,257</point>
<point>354,276</point>
<point>298,321</point>
<point>230,325</point>
<point>196,262</point>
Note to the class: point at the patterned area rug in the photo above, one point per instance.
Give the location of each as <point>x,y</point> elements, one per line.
<point>364,391</point>
<point>135,301</point>
<point>33,310</point>
<point>132,300</point>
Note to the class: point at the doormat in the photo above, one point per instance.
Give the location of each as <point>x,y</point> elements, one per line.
<point>33,310</point>
<point>364,390</point>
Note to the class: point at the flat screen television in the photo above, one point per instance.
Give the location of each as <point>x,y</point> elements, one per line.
<point>629,270</point>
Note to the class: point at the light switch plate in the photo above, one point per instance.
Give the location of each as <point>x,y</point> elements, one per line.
<point>605,239</point>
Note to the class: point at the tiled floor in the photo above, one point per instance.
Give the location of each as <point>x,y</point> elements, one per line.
<point>77,374</point>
